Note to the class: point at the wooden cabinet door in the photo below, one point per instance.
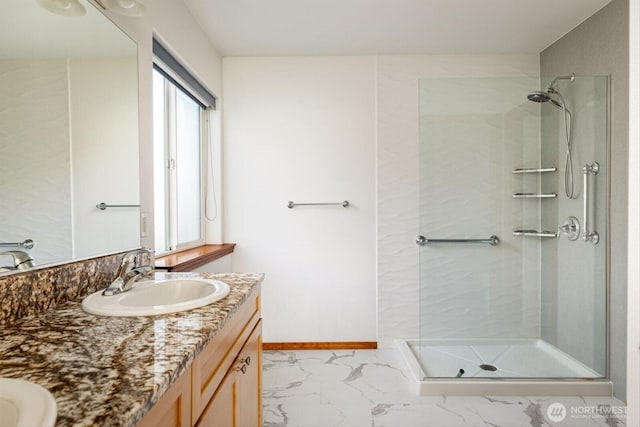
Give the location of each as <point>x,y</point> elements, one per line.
<point>221,410</point>
<point>174,407</point>
<point>238,402</point>
<point>249,410</point>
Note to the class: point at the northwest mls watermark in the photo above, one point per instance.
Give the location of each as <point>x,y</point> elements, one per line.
<point>561,414</point>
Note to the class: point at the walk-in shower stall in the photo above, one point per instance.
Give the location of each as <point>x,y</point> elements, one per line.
<point>513,240</point>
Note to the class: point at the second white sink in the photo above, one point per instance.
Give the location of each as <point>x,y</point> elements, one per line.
<point>153,297</point>
<point>25,404</point>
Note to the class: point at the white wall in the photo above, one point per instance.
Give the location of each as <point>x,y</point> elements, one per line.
<point>397,174</point>
<point>221,265</point>
<point>303,129</point>
<point>171,22</point>
<point>104,168</point>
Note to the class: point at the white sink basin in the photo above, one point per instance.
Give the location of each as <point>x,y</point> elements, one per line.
<point>25,404</point>
<point>153,297</point>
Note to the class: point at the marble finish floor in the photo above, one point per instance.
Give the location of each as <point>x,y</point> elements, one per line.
<point>370,388</point>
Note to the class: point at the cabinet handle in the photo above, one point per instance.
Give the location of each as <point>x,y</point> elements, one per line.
<point>246,360</point>
<point>242,368</point>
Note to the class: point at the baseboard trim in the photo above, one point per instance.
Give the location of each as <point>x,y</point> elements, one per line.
<point>338,345</point>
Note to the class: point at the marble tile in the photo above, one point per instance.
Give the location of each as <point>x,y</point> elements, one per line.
<point>371,388</point>
<point>317,416</point>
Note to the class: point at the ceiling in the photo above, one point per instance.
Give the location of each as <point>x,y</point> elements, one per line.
<point>366,27</point>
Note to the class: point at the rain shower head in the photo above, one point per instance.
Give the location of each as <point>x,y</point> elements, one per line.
<point>544,96</point>
<point>539,96</point>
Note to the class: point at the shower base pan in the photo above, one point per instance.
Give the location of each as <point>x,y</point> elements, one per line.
<point>524,367</point>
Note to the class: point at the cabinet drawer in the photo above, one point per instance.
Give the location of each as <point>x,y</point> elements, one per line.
<point>212,364</point>
<point>173,409</point>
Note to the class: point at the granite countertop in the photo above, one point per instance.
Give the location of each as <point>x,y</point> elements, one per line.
<point>107,371</point>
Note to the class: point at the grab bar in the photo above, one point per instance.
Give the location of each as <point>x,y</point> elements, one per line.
<point>588,169</point>
<point>27,244</point>
<point>292,205</point>
<point>102,206</point>
<point>421,241</point>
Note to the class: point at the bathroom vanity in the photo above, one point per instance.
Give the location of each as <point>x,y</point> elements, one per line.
<point>200,367</point>
<point>222,385</point>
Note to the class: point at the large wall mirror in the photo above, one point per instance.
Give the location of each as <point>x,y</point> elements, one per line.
<point>68,134</point>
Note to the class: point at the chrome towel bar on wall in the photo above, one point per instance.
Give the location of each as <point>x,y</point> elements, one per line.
<point>27,244</point>
<point>102,206</point>
<point>493,241</point>
<point>344,204</point>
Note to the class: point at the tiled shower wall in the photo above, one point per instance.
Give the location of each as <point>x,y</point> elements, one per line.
<point>398,174</point>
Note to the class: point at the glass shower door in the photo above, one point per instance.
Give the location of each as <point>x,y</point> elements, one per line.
<point>574,278</point>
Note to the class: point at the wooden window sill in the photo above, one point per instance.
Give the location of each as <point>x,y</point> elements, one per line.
<point>193,258</point>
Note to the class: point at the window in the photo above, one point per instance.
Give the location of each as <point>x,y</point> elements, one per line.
<point>181,108</point>
<point>178,140</point>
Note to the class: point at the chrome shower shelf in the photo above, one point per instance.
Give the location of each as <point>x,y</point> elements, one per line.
<point>535,233</point>
<point>535,170</point>
<point>535,195</point>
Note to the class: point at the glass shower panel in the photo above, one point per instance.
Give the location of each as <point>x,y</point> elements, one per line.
<point>492,164</point>
<point>574,273</point>
<point>473,134</point>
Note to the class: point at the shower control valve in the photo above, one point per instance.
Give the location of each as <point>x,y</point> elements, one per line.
<point>570,228</point>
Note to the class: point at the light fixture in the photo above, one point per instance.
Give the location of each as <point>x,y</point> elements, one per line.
<point>63,7</point>
<point>124,7</point>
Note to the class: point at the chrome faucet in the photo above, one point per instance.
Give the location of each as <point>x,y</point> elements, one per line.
<point>21,261</point>
<point>134,265</point>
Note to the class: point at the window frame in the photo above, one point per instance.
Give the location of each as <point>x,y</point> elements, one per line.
<point>171,85</point>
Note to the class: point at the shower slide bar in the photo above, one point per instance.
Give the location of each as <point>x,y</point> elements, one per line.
<point>535,195</point>
<point>535,233</point>
<point>535,170</point>
<point>422,241</point>
<point>27,244</point>
<point>102,206</point>
<point>588,169</point>
<point>344,204</point>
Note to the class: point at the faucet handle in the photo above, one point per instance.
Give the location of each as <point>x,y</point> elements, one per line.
<point>136,256</point>
<point>144,257</point>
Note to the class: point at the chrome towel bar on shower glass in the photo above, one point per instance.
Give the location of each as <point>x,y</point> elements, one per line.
<point>102,206</point>
<point>493,241</point>
<point>344,204</point>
